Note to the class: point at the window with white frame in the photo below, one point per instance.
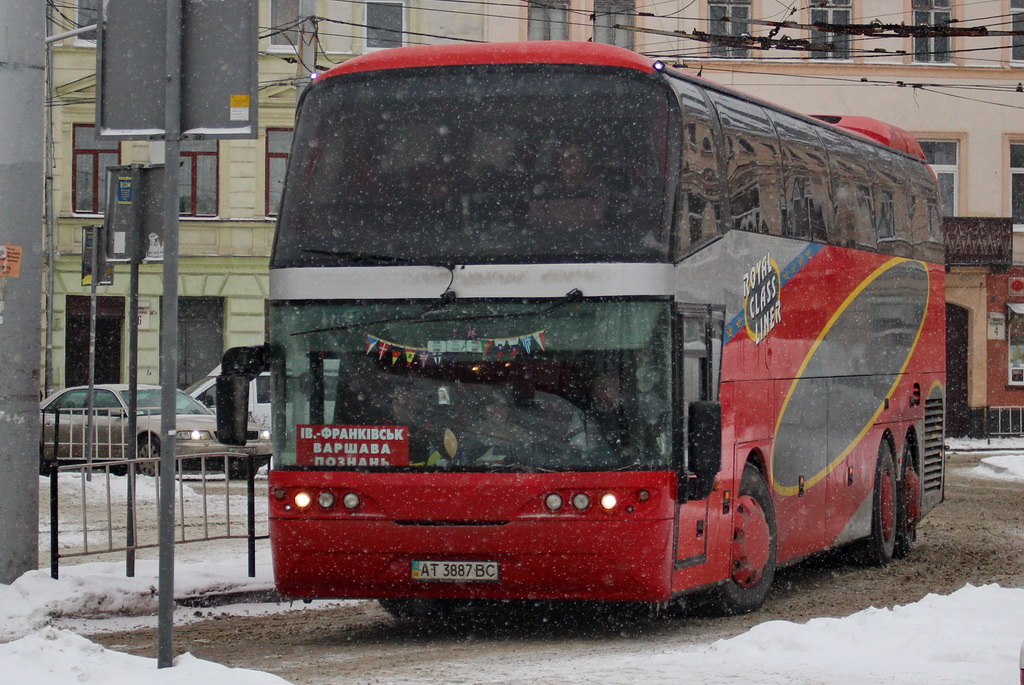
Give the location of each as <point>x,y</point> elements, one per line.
<point>279,144</point>
<point>87,16</point>
<point>719,14</point>
<point>1015,343</point>
<point>942,156</point>
<point>831,12</point>
<point>1017,42</point>
<point>385,24</point>
<point>284,23</point>
<point>608,13</point>
<point>1017,186</point>
<point>932,13</point>
<point>90,160</point>
<point>547,20</point>
<point>198,180</point>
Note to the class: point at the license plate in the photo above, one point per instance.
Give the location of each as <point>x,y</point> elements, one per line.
<point>456,571</point>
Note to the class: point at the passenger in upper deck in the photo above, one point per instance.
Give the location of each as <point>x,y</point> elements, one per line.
<point>573,199</point>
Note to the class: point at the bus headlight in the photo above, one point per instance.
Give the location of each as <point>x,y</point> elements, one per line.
<point>581,501</point>
<point>351,501</point>
<point>609,501</point>
<point>302,499</point>
<point>553,501</point>
<point>265,434</point>
<point>325,500</point>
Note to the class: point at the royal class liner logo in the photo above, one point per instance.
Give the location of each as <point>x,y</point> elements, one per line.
<point>762,306</point>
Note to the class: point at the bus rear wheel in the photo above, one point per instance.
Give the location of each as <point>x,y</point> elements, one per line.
<point>908,505</point>
<point>878,548</point>
<point>753,551</point>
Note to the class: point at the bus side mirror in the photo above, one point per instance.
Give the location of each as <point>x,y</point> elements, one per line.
<point>232,409</point>
<point>238,366</point>
<point>704,447</point>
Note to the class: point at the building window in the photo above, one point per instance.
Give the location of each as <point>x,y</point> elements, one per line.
<point>1017,50</point>
<point>831,12</point>
<point>547,20</point>
<point>942,156</point>
<point>198,181</point>
<point>932,13</point>
<point>90,160</point>
<point>385,24</point>
<point>1017,186</point>
<point>87,16</point>
<point>279,143</point>
<point>1015,342</point>
<point>284,23</point>
<point>718,13</point>
<point>608,13</point>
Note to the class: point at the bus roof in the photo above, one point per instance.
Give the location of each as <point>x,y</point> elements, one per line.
<point>525,52</point>
<point>577,52</point>
<point>876,130</point>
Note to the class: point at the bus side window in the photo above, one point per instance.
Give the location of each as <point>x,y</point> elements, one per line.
<point>699,210</point>
<point>753,167</point>
<point>805,202</point>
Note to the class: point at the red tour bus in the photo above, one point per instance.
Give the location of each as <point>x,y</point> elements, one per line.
<point>554,321</point>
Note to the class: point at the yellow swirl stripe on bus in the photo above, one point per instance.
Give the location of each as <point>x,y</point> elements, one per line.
<point>853,366</point>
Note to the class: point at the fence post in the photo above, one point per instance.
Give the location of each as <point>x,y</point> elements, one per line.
<point>250,482</point>
<point>129,555</point>
<point>54,532</point>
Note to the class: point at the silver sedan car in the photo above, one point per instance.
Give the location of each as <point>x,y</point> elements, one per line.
<point>65,419</point>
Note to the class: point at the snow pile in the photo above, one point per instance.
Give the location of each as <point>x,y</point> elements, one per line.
<point>100,590</point>
<point>970,636</point>
<point>1004,466</point>
<point>57,657</point>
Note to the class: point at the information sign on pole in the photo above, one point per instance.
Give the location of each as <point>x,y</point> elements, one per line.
<point>93,241</point>
<point>134,221</point>
<point>219,71</point>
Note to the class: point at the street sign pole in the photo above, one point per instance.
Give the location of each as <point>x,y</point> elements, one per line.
<point>197,78</point>
<point>169,335</point>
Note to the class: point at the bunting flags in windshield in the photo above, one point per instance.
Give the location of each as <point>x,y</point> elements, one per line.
<point>439,351</point>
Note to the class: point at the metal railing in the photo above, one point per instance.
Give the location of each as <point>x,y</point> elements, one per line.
<point>1005,422</point>
<point>118,513</point>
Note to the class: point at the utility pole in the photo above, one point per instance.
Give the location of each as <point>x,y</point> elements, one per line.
<point>21,222</point>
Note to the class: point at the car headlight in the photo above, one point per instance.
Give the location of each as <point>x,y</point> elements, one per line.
<point>195,435</point>
<point>265,434</point>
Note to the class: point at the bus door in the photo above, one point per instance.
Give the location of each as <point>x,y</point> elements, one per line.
<point>698,353</point>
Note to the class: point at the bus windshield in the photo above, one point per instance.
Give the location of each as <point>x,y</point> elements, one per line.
<point>509,163</point>
<point>512,385</point>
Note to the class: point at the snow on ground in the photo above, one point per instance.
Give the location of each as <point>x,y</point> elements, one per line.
<point>972,636</point>
<point>1004,460</point>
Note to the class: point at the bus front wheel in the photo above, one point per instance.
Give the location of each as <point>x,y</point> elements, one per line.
<point>753,551</point>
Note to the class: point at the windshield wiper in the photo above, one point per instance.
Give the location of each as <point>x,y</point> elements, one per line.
<point>363,257</point>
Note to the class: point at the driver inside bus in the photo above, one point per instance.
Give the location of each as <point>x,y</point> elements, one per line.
<point>602,425</point>
<point>408,409</point>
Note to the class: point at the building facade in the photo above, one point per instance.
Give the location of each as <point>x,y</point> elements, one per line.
<point>958,92</point>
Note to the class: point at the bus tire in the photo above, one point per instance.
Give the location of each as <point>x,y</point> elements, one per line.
<point>908,505</point>
<point>754,549</point>
<point>879,546</point>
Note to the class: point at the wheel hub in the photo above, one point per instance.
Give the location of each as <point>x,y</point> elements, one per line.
<point>751,542</point>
